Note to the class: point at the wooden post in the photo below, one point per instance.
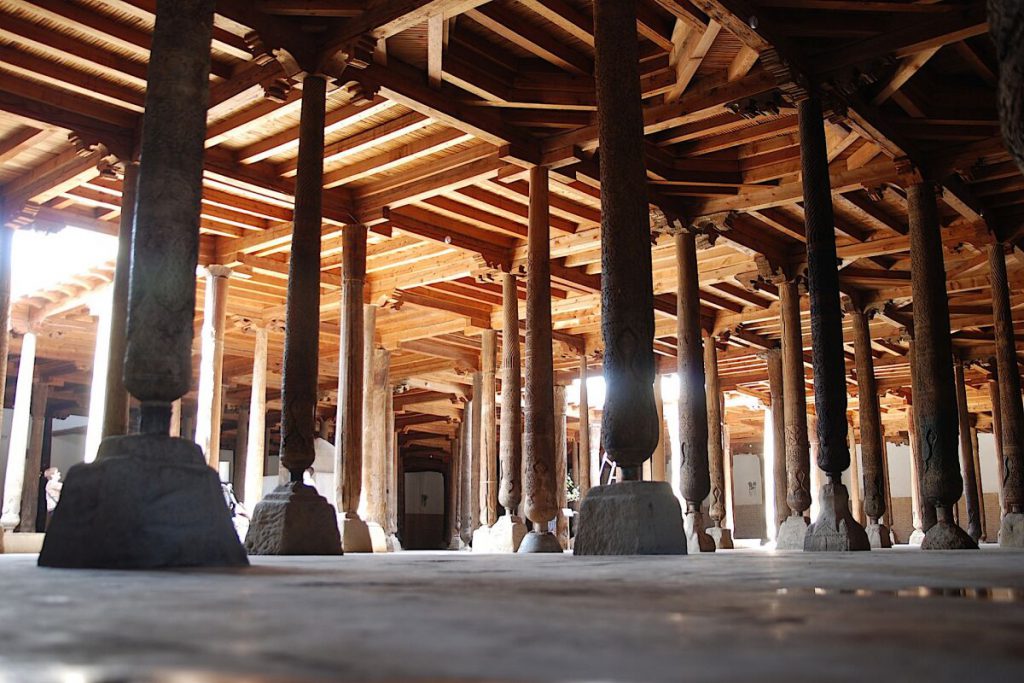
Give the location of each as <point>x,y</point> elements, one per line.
<point>856,496</point>
<point>872,445</point>
<point>348,448</point>
<point>934,389</point>
<point>970,475</point>
<point>368,422</point>
<point>511,489</point>
<point>561,465</point>
<point>240,451</point>
<point>115,412</point>
<point>835,528</point>
<point>659,468</point>
<point>256,447</point>
<point>976,457</point>
<point>721,534</point>
<point>466,499</point>
<point>489,445</point>
<point>34,456</point>
<point>21,424</point>
<point>1011,531</point>
<point>997,436</point>
<point>455,493</point>
<point>211,364</point>
<point>773,358</point>
<point>476,430</point>
<point>376,453</point>
<point>798,447</point>
<point>540,503</point>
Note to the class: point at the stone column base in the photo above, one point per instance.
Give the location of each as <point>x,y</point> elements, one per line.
<point>946,535</point>
<point>355,534</point>
<point>835,529</point>
<point>916,537</point>
<point>631,518</point>
<point>481,539</point>
<point>456,543</point>
<point>394,545</point>
<point>147,501</point>
<point>540,542</point>
<point>721,536</point>
<point>697,539</point>
<point>878,536</point>
<point>791,533</point>
<point>505,536</point>
<point>293,519</point>
<point>378,539</point>
<point>1011,530</point>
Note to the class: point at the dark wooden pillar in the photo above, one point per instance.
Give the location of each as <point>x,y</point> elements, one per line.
<point>717,468</point>
<point>997,433</point>
<point>970,475</point>
<point>871,443</point>
<point>773,359</point>
<point>694,475</point>
<point>798,448</point>
<point>934,390</point>
<point>349,442</point>
<point>511,490</point>
<point>835,528</point>
<point>1011,531</point>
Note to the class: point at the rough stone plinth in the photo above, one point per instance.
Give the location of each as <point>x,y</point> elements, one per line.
<point>697,539</point>
<point>481,539</point>
<point>878,536</point>
<point>721,536</point>
<point>540,542</point>
<point>147,501</point>
<point>355,534</point>
<point>293,520</point>
<point>394,545</point>
<point>916,537</point>
<point>835,529</point>
<point>506,535</point>
<point>378,537</point>
<point>946,535</point>
<point>631,518</point>
<point>457,543</point>
<point>791,533</point>
<point>1011,530</point>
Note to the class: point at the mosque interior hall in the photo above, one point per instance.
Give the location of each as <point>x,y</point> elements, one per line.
<point>511,340</point>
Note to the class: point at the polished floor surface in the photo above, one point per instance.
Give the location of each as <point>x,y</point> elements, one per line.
<point>745,615</point>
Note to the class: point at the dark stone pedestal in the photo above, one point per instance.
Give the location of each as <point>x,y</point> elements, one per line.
<point>792,533</point>
<point>540,542</point>
<point>946,535</point>
<point>631,518</point>
<point>878,535</point>
<point>835,529</point>
<point>294,520</point>
<point>147,501</point>
<point>1011,530</point>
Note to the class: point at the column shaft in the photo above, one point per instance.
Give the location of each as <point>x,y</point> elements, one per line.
<point>716,452</point>
<point>17,449</point>
<point>238,458</point>
<point>34,456</point>
<point>798,453</point>
<point>561,466</point>
<point>659,466</point>
<point>348,465</point>
<point>455,492</point>
<point>1008,377</point>
<point>488,411</point>
<point>256,447</point>
<point>970,475</point>
<point>776,389</point>
<point>101,308</point>
<point>115,411</point>
<point>511,489</point>
<point>209,406</point>
<point>997,436</point>
<point>477,432</point>
<point>871,444</point>
<point>368,422</point>
<point>584,445</point>
<point>376,452</point>
<point>694,417</point>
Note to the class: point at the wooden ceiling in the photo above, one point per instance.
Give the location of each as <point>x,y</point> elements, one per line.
<point>428,144</point>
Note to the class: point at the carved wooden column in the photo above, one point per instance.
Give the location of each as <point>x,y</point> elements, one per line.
<point>773,359</point>
<point>376,451</point>
<point>455,493</point>
<point>561,467</point>
<point>694,475</point>
<point>507,533</point>
<point>132,471</point>
<point>835,528</point>
<point>34,455</point>
<point>271,530</point>
<point>115,411</point>
<point>466,505</point>
<point>211,363</point>
<point>970,475</point>
<point>976,457</point>
<point>348,444</point>
<point>489,442</point>
<point>720,533</point>
<point>585,458</point>
<point>540,503</point>
<point>916,507</point>
<point>21,427</point>
<point>934,390</point>
<point>856,499</point>
<point>798,453</point>
<point>1011,530</point>
<point>997,435</point>
<point>871,444</point>
<point>476,446</point>
<point>659,464</point>
<point>631,517</point>
<point>256,447</point>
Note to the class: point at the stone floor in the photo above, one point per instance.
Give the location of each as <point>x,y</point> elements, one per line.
<point>741,616</point>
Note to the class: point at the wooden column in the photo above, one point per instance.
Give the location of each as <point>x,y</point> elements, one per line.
<point>773,359</point>
<point>348,463</point>
<point>21,425</point>
<point>1011,532</point>
<point>976,457</point>
<point>34,456</point>
<point>466,500</point>
<point>716,449</point>
<point>99,306</point>
<point>970,475</point>
<point>659,466</point>
<point>489,443</point>
<point>997,436</point>
<point>916,505</point>
<point>584,445</point>
<point>476,440</point>
<point>455,493</point>
<point>376,450</point>
<point>856,498</point>
<point>798,447</point>
<point>828,532</point>
<point>540,503</point>
<point>561,466</point>
<point>934,390</point>
<point>871,443</point>
<point>511,489</point>
<point>115,411</point>
<point>694,473</point>
<point>368,422</point>
<point>238,458</point>
<point>256,446</point>
<point>211,363</point>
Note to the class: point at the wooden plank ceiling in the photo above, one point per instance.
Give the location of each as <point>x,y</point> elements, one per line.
<point>428,144</point>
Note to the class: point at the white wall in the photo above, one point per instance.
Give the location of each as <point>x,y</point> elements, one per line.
<point>746,478</point>
<point>424,493</point>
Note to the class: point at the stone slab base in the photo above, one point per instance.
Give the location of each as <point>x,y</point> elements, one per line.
<point>355,534</point>
<point>22,543</point>
<point>481,539</point>
<point>504,537</point>
<point>878,536</point>
<point>697,539</point>
<point>378,539</point>
<point>456,544</point>
<point>835,529</point>
<point>394,545</point>
<point>540,542</point>
<point>721,536</point>
<point>147,501</point>
<point>916,537</point>
<point>293,519</point>
<point>631,518</point>
<point>791,533</point>
<point>1011,530</point>
<point>947,536</point>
